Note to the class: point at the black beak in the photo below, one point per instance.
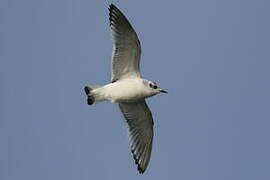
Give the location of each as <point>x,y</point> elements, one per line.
<point>163,91</point>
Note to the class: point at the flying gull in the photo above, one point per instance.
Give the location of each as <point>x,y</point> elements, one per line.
<point>128,89</point>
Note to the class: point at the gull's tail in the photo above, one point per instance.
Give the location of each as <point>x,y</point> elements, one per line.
<point>92,96</point>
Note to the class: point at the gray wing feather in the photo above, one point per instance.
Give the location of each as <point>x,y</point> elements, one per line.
<point>126,46</point>
<point>140,130</point>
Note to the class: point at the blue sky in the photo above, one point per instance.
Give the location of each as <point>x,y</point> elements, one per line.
<point>212,56</point>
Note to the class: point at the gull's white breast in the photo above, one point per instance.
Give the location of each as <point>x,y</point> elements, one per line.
<point>125,90</point>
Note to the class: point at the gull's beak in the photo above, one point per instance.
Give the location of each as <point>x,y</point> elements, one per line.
<point>163,91</point>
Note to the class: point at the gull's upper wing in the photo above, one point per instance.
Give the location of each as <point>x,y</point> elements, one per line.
<point>126,46</point>
<point>140,131</point>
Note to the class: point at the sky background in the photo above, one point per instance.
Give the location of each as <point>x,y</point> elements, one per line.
<point>212,56</point>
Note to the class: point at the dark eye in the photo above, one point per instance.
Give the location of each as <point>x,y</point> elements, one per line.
<point>153,86</point>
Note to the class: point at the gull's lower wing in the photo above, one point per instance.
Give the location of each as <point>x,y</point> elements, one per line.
<point>140,130</point>
<point>126,46</point>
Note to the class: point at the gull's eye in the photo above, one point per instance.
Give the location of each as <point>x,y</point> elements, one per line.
<point>153,86</point>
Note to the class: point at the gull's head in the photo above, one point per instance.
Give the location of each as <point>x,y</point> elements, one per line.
<point>154,88</point>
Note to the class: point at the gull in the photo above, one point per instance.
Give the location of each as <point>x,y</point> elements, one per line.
<point>128,89</point>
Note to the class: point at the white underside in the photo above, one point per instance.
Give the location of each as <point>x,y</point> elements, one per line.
<point>126,90</point>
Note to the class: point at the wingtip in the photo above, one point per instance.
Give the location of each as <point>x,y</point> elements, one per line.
<point>111,6</point>
<point>139,168</point>
<point>141,171</point>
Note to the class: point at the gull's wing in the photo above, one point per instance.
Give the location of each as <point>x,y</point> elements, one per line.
<point>140,131</point>
<point>126,46</point>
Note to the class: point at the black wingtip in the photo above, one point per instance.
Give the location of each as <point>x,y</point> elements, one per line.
<point>139,168</point>
<point>141,171</point>
<point>111,6</point>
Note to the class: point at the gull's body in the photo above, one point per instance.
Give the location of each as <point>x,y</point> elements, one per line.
<point>125,90</point>
<point>128,89</point>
